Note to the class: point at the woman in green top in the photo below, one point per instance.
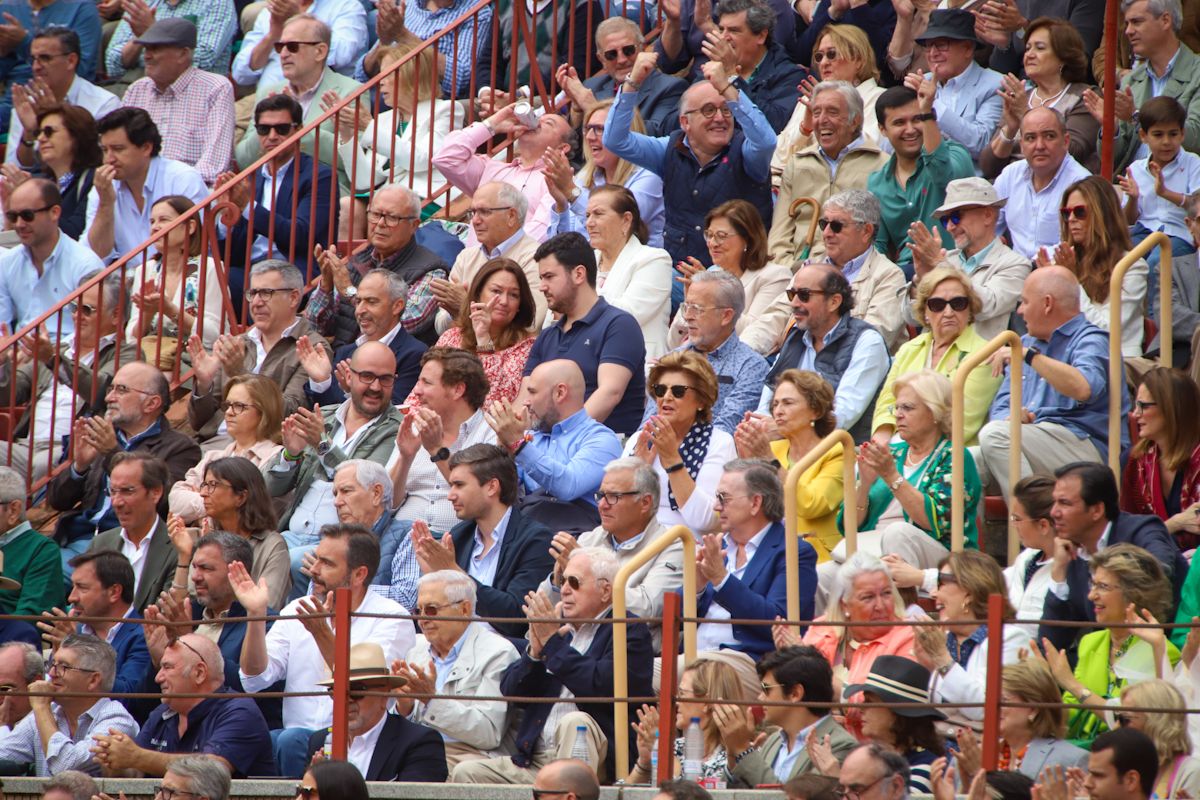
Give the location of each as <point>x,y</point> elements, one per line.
<point>1128,590</point>
<point>903,497</point>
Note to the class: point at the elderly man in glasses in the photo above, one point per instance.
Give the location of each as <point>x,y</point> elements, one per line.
<point>315,442</point>
<point>462,658</point>
<point>57,735</point>
<point>230,730</point>
<point>194,777</point>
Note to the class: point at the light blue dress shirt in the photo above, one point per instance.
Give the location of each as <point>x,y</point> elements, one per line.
<point>482,566</point>
<point>1159,214</point>
<point>444,665</point>
<point>852,267</point>
<point>568,462</point>
<point>785,759</point>
<point>25,296</point>
<point>1031,217</point>
<point>968,107</point>
<point>647,189</point>
<point>834,163</point>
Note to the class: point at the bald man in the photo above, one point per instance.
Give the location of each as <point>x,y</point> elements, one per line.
<point>231,730</point>
<point>568,777</point>
<point>560,451</point>
<point>1064,393</point>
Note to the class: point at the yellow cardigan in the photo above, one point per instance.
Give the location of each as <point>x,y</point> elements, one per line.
<point>818,498</point>
<point>912,357</point>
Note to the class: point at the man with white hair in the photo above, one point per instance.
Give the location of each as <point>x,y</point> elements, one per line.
<point>230,730</point>
<point>568,661</point>
<point>200,777</point>
<point>461,658</point>
<point>70,784</point>
<point>32,579</point>
<point>497,214</point>
<point>628,503</point>
<point>839,158</point>
<point>21,663</point>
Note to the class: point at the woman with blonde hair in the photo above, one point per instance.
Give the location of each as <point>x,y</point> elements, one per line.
<point>1031,738</point>
<point>681,443</point>
<point>396,146</point>
<point>843,53</point>
<point>947,304</point>
<point>602,167</point>
<point>1167,726</point>
<point>802,410</point>
<point>1095,236</point>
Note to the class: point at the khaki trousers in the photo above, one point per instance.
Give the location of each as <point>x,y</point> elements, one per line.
<point>503,770</point>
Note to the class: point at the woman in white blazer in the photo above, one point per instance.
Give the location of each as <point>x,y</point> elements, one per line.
<point>395,147</point>
<point>631,276</point>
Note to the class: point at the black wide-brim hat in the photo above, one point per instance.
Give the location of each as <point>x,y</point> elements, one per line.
<point>896,679</point>
<point>950,23</point>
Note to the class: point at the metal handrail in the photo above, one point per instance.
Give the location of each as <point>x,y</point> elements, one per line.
<point>620,634</point>
<point>958,434</point>
<point>1115,359</point>
<point>791,523</point>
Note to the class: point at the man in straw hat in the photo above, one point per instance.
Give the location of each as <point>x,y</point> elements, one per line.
<point>384,747</point>
<point>969,214</point>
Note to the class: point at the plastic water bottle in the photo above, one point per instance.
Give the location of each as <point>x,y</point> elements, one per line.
<point>328,748</point>
<point>579,750</point>
<point>654,762</point>
<point>693,751</point>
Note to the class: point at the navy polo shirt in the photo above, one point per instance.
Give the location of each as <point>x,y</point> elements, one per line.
<point>230,727</point>
<point>605,335</point>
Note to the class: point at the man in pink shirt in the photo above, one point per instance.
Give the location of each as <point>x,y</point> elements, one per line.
<point>548,143</point>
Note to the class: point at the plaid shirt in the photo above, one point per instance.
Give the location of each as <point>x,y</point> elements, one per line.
<point>460,60</point>
<point>23,744</point>
<point>216,24</point>
<point>419,307</point>
<point>194,115</point>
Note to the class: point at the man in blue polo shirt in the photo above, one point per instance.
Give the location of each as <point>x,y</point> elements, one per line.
<point>605,342</point>
<point>230,729</point>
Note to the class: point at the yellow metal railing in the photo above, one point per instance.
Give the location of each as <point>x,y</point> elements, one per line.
<point>849,521</point>
<point>1115,363</point>
<point>620,635</point>
<point>958,435</point>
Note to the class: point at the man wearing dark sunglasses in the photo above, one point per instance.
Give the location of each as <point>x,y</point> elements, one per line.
<point>618,41</point>
<point>969,215</point>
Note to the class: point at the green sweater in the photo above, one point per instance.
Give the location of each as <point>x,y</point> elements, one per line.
<point>34,560</point>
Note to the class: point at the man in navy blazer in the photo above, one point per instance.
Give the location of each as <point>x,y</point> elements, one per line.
<point>1087,519</point>
<point>290,176</point>
<point>381,296</point>
<point>744,571</point>
<point>506,553</point>
<point>576,656</point>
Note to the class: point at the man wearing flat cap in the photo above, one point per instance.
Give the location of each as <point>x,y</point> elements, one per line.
<point>193,109</point>
<point>997,272</point>
<point>967,106</point>
<point>384,747</point>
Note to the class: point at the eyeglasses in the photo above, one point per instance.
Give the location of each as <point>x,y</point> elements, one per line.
<point>124,491</point>
<point>695,310</point>
<point>716,236</point>
<point>767,687</point>
<point>46,58</point>
<point>368,378</point>
<point>612,498</point>
<point>574,582</point>
<point>212,486</point>
<point>901,408</point>
<point>677,390</point>
<point>376,217</point>
<point>709,110</point>
<point>592,129</point>
<point>83,309</point>
<point>627,51</point>
<point>47,131</point>
<point>293,47</point>
<point>168,793</point>
<point>804,294</point>
<point>281,128</point>
<point>824,55</point>
<point>946,577</point>
<point>835,225</point>
<point>724,497</point>
<point>120,389</point>
<point>265,294</point>
<point>1080,212</point>
<point>1142,405</point>
<point>305,791</point>
<point>432,609</point>
<point>59,668</point>
<point>1104,587</point>
<point>182,643</point>
<point>1123,720</point>
<point>484,211</point>
<point>938,304</point>
<point>238,408</point>
<point>855,792</point>
<point>25,215</point>
<point>941,45</point>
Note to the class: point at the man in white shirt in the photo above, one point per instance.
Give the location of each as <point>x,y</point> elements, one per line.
<point>46,267</point>
<point>300,651</point>
<point>132,178</point>
<point>457,657</point>
<point>55,52</point>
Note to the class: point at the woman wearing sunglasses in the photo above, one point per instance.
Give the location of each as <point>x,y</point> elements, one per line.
<point>1128,590</point>
<point>946,303</point>
<point>1162,476</point>
<point>1178,769</point>
<point>680,442</point>
<point>332,780</point>
<point>68,151</point>
<point>1095,236</point>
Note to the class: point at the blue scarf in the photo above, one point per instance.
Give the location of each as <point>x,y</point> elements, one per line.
<point>692,450</point>
<point>961,653</point>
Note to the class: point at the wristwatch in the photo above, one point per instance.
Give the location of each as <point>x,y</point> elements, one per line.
<point>1030,352</point>
<point>441,455</point>
<point>324,447</point>
<point>930,117</point>
<point>350,292</point>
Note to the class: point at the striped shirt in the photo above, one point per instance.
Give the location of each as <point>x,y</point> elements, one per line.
<point>23,744</point>
<point>216,24</point>
<point>462,49</point>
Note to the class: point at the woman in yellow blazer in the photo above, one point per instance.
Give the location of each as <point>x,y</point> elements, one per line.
<point>947,303</point>
<point>802,410</point>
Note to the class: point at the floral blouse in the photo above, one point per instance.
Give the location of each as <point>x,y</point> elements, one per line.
<point>504,368</point>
